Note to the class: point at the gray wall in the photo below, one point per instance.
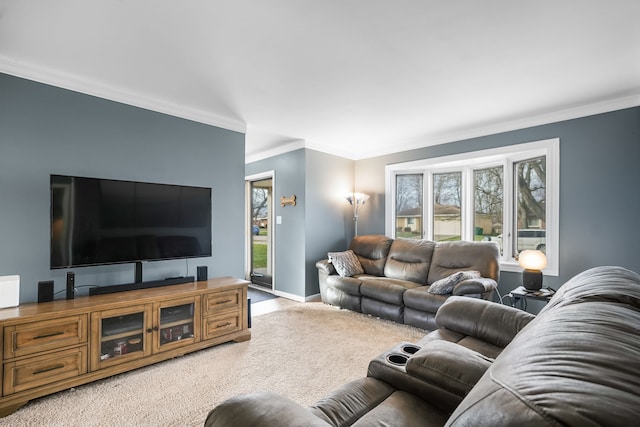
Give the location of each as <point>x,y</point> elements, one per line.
<point>329,221</point>
<point>289,236</point>
<point>599,177</point>
<point>319,222</point>
<point>46,130</point>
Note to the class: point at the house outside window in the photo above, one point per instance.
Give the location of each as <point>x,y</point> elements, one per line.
<point>507,195</point>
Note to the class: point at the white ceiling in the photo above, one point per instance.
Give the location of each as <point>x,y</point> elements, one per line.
<point>356,78</point>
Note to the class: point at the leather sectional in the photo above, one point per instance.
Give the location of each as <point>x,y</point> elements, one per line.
<point>395,284</point>
<point>575,364</point>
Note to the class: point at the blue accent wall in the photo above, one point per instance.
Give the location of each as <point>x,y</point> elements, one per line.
<point>288,250</point>
<point>599,196</point>
<point>47,130</point>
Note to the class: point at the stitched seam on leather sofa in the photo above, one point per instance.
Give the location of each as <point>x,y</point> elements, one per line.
<point>529,404</point>
<point>357,415</point>
<point>444,374</point>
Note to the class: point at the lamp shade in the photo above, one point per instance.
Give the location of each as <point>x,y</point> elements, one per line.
<point>532,260</point>
<point>357,198</point>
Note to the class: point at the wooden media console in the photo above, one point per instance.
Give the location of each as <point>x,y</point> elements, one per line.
<point>49,347</point>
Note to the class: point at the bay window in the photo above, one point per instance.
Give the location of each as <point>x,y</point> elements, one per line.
<point>507,195</point>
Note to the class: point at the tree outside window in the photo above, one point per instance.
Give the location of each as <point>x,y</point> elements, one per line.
<point>447,206</point>
<point>488,200</point>
<point>409,209</point>
<point>531,197</point>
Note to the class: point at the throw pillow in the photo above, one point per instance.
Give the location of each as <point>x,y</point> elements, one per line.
<point>446,285</point>
<point>346,263</point>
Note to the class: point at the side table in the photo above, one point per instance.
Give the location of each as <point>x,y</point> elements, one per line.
<point>520,295</point>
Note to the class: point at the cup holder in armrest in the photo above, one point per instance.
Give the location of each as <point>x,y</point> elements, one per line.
<point>409,348</point>
<point>397,359</point>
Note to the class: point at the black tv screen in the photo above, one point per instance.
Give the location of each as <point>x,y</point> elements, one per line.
<point>103,221</point>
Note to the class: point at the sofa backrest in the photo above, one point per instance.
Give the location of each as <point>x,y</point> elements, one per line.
<point>450,257</point>
<point>576,364</point>
<point>582,288</point>
<point>409,259</point>
<point>372,251</point>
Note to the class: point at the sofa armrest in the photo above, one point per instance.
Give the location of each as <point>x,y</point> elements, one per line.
<point>477,286</point>
<point>325,266</point>
<point>489,321</point>
<point>261,409</point>
<point>397,376</point>
<point>450,366</point>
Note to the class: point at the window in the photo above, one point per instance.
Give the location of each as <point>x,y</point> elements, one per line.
<point>508,195</point>
<point>409,206</point>
<point>447,206</point>
<point>531,193</point>
<point>488,204</point>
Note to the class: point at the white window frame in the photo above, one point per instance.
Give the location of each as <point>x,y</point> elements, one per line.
<point>469,161</point>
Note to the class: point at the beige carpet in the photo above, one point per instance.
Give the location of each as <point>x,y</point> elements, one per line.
<point>302,352</point>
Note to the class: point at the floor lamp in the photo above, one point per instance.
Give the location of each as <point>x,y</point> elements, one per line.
<point>356,200</point>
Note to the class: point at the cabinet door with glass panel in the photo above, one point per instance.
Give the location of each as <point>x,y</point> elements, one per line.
<point>176,323</point>
<point>120,335</point>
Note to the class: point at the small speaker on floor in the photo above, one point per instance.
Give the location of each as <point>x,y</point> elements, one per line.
<point>71,285</point>
<point>45,291</point>
<point>202,273</point>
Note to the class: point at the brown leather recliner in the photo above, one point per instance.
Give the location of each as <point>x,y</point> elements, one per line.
<point>398,273</point>
<point>575,364</point>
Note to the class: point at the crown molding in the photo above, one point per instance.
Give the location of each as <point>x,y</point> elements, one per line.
<point>100,90</point>
<point>282,149</point>
<point>605,106</point>
<point>600,107</point>
<point>276,151</point>
<point>93,88</point>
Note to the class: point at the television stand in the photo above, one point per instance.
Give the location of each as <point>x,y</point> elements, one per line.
<point>54,346</point>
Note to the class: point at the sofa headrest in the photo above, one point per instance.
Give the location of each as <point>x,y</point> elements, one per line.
<point>605,283</point>
<point>576,364</point>
<point>450,257</point>
<point>409,259</point>
<point>372,251</point>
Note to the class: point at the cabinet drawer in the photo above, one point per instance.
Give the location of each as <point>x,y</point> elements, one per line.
<point>219,325</point>
<point>38,371</point>
<point>30,338</point>
<point>215,302</point>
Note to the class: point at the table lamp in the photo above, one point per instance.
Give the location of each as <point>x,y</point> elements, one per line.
<point>532,261</point>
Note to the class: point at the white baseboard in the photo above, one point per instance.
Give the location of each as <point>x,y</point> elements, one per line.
<point>310,298</point>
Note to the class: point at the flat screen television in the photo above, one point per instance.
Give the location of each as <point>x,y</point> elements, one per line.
<point>104,221</point>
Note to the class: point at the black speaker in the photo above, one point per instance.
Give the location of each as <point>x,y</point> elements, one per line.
<point>202,273</point>
<point>71,285</point>
<point>45,291</point>
<point>249,312</point>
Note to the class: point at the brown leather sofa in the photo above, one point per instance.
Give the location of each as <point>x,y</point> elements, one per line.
<point>398,273</point>
<point>575,364</point>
